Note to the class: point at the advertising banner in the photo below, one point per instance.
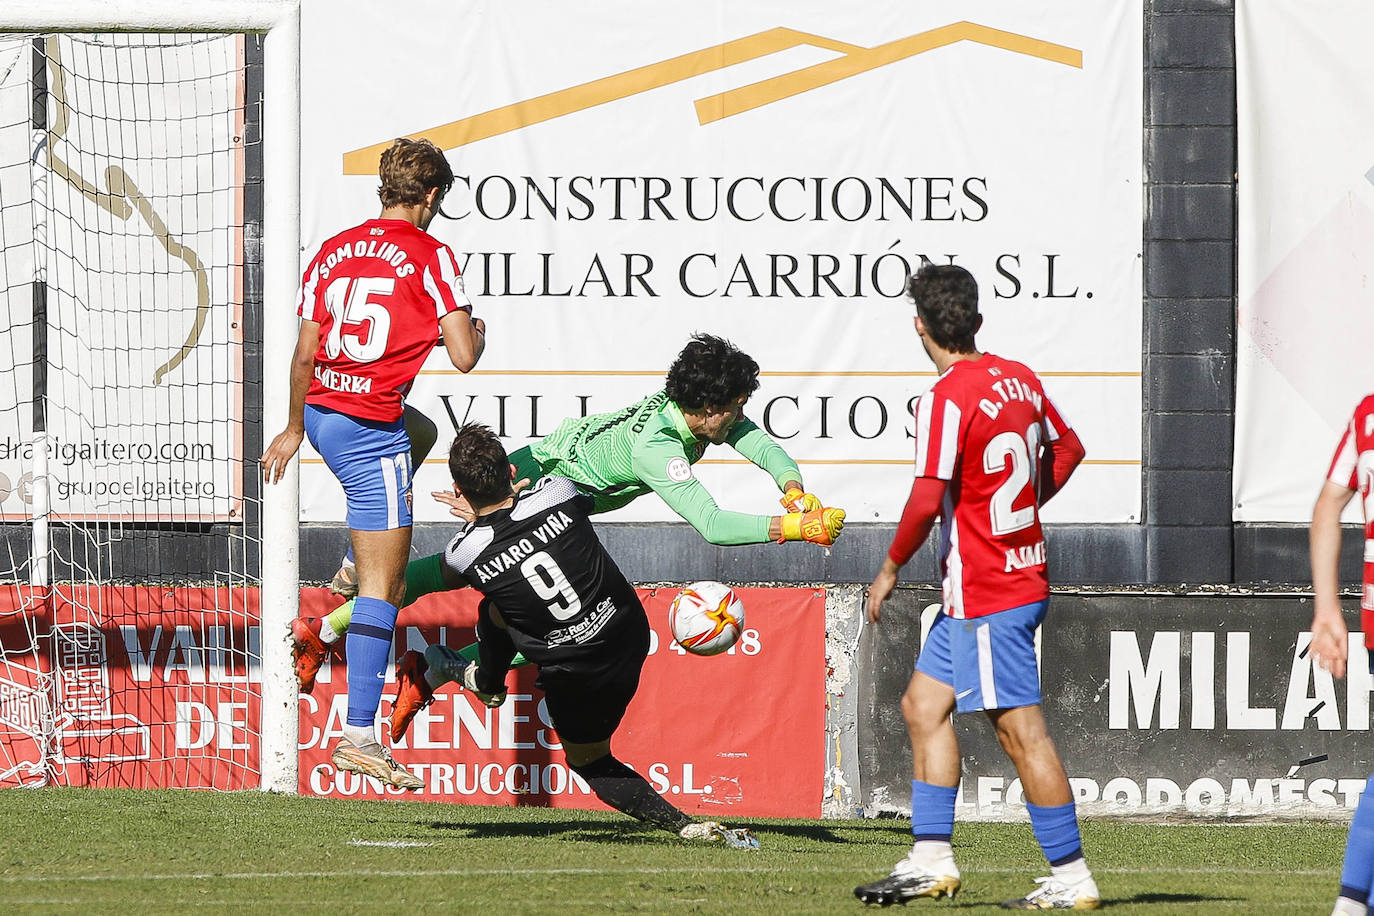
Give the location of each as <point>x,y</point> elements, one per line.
<point>742,733</point>
<point>1206,705</point>
<point>1305,230</point>
<point>164,691</point>
<point>769,172</point>
<point>129,686</point>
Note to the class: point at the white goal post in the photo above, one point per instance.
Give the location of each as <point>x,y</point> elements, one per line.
<point>279,21</point>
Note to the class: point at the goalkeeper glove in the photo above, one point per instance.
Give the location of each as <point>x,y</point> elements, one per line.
<point>797,500</point>
<point>820,526</point>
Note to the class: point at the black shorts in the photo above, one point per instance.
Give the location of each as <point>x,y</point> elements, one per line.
<point>587,702</point>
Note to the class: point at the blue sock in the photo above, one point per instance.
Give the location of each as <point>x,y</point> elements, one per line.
<point>1358,870</point>
<point>368,649</point>
<point>1056,829</point>
<point>348,555</point>
<point>932,811</point>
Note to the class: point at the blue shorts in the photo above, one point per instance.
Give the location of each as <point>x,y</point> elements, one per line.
<point>371,459</point>
<point>989,661</point>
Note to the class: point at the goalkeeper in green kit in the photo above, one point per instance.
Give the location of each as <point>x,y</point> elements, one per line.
<point>619,456</point>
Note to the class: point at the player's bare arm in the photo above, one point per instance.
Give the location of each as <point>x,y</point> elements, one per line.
<point>288,441</point>
<point>1329,633</point>
<point>465,339</point>
<point>918,517</point>
<point>881,589</point>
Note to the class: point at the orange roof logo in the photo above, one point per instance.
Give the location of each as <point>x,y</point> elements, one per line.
<point>853,60</point>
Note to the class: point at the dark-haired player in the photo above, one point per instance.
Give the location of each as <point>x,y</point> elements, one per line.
<point>649,446</point>
<point>991,448</point>
<point>565,606</point>
<point>373,302</point>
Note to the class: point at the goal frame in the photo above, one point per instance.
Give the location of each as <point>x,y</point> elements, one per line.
<point>279,22</point>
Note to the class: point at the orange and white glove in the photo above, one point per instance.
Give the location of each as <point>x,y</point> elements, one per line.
<point>798,500</point>
<point>820,526</point>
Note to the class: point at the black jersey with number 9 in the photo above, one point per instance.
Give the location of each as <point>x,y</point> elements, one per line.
<point>566,604</point>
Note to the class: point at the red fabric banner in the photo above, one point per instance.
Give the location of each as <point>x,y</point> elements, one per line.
<point>132,686</point>
<point>742,733</point>
<point>142,686</point>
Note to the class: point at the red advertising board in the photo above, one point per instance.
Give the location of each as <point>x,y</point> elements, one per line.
<point>149,687</point>
<point>133,686</point>
<point>741,733</point>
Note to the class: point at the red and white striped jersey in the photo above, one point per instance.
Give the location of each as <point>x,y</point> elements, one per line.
<point>378,291</point>
<point>1353,468</point>
<point>980,427</point>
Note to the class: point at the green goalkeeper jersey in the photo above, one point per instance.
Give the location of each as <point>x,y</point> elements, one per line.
<point>619,456</point>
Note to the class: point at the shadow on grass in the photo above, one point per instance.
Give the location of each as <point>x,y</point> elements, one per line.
<point>629,831</point>
<point>843,833</point>
<point>1170,898</point>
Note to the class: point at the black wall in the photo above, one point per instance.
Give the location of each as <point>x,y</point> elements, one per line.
<point>1209,690</point>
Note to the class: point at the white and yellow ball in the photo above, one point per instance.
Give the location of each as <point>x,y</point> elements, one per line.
<point>706,618</point>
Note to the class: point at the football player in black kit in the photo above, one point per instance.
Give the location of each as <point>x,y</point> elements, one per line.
<point>566,607</point>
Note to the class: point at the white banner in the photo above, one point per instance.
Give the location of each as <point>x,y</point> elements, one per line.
<point>765,171</point>
<point>1304,90</point>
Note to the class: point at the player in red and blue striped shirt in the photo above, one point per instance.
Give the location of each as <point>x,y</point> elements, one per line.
<point>991,448</point>
<point>373,303</point>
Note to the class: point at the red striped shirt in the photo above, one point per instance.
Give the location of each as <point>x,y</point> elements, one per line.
<point>378,291</point>
<point>980,427</point>
<point>1353,468</point>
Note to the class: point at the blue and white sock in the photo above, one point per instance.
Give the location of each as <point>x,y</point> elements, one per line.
<point>368,648</point>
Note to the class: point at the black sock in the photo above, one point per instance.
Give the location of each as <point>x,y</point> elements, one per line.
<point>625,790</point>
<point>494,651</point>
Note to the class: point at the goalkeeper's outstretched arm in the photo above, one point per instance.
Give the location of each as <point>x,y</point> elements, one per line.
<point>669,474</point>
<point>763,452</point>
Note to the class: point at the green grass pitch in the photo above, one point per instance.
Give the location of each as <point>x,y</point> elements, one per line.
<point>136,852</point>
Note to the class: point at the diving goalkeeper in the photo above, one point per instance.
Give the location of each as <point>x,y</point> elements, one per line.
<point>619,456</point>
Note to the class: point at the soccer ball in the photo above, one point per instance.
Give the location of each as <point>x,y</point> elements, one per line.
<point>706,618</point>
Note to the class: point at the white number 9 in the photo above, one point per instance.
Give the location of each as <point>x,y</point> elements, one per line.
<point>547,579</point>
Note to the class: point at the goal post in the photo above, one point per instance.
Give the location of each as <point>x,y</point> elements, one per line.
<point>134,227</point>
<point>281,275</point>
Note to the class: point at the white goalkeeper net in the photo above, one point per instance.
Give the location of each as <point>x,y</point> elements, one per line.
<point>129,645</point>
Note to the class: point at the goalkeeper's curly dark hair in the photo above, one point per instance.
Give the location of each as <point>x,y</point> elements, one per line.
<point>479,465</point>
<point>710,372</point>
<point>946,298</point>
